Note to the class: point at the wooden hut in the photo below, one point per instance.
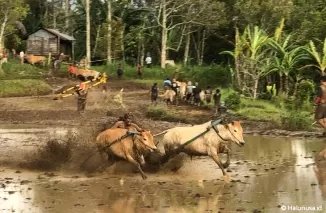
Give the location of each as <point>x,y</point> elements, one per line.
<point>46,41</point>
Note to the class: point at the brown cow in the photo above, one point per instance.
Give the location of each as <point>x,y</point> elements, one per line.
<point>86,74</point>
<point>34,59</point>
<point>131,148</point>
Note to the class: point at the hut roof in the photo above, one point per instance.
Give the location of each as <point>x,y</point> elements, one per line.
<point>61,36</point>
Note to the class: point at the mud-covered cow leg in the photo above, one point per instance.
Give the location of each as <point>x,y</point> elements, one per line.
<point>134,162</point>
<point>227,151</point>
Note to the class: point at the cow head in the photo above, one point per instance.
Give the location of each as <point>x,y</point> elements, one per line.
<point>146,140</point>
<point>234,132</point>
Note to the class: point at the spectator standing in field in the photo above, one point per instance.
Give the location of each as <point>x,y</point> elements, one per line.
<point>217,101</point>
<point>148,61</point>
<point>189,91</point>
<point>140,71</point>
<point>119,71</point>
<point>4,57</point>
<point>82,96</point>
<point>21,55</point>
<point>196,93</point>
<point>154,93</point>
<point>208,94</point>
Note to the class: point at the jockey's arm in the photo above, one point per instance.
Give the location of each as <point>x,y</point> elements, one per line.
<point>118,124</point>
<point>136,127</point>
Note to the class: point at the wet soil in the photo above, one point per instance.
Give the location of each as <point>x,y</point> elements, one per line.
<point>267,174</point>
<point>44,111</point>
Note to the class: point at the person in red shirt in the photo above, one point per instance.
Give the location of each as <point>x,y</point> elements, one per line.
<point>71,70</point>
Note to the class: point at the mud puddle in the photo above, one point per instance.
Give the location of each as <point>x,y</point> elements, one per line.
<point>267,174</point>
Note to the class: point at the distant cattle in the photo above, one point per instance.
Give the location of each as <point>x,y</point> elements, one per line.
<point>34,59</point>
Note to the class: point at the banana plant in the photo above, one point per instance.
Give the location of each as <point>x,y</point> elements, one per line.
<point>287,58</point>
<point>318,59</point>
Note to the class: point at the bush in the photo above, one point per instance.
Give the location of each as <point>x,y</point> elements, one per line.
<point>232,100</point>
<point>214,75</point>
<point>296,120</point>
<point>24,87</point>
<point>306,90</point>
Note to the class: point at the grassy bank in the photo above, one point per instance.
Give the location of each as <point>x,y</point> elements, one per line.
<point>14,70</point>
<point>23,87</point>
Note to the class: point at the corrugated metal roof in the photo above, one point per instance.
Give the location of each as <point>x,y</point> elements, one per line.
<point>61,35</point>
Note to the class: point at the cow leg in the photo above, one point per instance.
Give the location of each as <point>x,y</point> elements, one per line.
<point>218,161</point>
<point>228,153</point>
<point>131,160</point>
<point>142,160</point>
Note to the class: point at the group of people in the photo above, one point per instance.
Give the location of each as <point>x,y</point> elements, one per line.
<point>192,92</point>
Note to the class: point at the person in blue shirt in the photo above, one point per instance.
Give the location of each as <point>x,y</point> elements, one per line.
<point>167,83</point>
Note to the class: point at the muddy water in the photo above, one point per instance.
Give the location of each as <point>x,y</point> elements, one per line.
<point>266,174</point>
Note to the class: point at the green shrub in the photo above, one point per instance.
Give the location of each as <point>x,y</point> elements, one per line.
<point>306,89</point>
<point>296,120</point>
<point>24,87</point>
<point>232,100</point>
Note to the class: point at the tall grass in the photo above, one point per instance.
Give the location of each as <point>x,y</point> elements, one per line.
<point>14,70</point>
<point>23,87</point>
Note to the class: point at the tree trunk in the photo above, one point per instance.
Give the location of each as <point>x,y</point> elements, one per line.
<point>237,71</point>
<point>138,53</point>
<point>68,17</point>
<point>255,88</point>
<point>202,48</point>
<point>164,35</point>
<point>109,35</point>
<point>286,85</point>
<point>88,34</point>
<point>280,90</point>
<point>186,53</point>
<point>96,40</point>
<point>2,30</point>
<point>198,47</point>
<point>122,44</point>
<point>142,56</point>
<point>54,15</point>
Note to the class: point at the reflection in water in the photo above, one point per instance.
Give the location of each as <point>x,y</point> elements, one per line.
<point>267,172</point>
<point>320,170</point>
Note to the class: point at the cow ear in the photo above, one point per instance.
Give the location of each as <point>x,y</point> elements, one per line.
<point>232,122</point>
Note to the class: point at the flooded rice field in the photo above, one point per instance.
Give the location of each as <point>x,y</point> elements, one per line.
<point>268,175</point>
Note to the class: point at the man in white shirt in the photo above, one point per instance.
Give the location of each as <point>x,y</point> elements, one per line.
<point>21,54</point>
<point>148,61</point>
